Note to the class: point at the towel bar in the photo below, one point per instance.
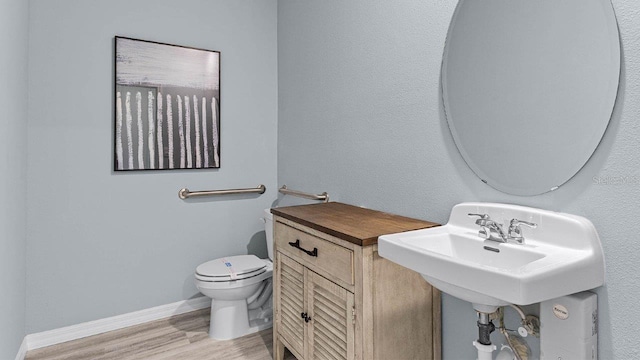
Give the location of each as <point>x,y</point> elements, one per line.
<point>324,196</point>
<point>185,193</point>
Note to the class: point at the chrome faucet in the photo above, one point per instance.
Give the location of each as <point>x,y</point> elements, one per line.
<point>491,230</point>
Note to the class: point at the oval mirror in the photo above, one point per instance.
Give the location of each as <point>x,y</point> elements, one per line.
<point>529,88</point>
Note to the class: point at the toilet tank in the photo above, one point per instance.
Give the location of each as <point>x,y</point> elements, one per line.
<point>268,229</point>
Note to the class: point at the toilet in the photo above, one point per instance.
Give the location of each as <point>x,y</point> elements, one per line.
<point>240,289</point>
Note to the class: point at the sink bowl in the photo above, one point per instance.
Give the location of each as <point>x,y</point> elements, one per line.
<point>561,256</point>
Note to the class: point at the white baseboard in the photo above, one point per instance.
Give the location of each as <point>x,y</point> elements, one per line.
<point>22,352</point>
<point>79,331</point>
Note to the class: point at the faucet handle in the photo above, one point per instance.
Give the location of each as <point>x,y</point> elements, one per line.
<point>515,232</point>
<point>483,219</point>
<point>517,222</point>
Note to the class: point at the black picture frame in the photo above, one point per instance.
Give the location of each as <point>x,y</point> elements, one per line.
<point>167,106</point>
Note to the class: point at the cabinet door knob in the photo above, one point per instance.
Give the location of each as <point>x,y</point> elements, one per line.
<point>305,316</point>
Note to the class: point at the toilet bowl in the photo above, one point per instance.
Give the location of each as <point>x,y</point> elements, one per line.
<point>240,289</point>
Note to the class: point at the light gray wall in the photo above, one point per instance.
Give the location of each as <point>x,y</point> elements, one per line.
<point>360,116</point>
<point>13,147</point>
<point>102,243</point>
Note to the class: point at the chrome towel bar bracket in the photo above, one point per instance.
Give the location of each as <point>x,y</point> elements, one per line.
<point>185,193</point>
<point>323,197</point>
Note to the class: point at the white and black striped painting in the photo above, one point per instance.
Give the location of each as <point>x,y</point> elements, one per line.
<point>167,106</point>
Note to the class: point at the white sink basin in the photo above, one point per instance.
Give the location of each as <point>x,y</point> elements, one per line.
<point>561,256</point>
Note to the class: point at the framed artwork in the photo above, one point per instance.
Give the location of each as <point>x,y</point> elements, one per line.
<point>167,106</point>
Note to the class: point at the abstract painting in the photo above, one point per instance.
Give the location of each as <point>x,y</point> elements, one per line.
<point>167,106</point>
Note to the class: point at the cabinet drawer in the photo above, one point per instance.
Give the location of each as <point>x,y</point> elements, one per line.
<point>333,260</point>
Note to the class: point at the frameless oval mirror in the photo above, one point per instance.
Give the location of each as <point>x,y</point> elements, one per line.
<point>529,88</point>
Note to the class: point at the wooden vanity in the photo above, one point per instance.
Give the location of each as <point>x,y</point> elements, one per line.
<point>336,298</point>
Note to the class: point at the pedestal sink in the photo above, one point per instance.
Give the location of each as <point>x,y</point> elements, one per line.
<point>562,255</point>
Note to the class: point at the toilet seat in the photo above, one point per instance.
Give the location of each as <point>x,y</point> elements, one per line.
<point>231,268</point>
<point>210,283</point>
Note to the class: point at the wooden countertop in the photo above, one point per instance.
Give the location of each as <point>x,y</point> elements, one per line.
<point>355,224</point>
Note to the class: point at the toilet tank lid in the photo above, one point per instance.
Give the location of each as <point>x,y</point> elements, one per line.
<point>231,266</point>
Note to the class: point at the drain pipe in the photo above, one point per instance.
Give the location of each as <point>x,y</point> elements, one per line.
<point>483,344</point>
<point>486,327</point>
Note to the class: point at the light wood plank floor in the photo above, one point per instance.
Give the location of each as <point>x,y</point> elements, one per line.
<point>180,337</point>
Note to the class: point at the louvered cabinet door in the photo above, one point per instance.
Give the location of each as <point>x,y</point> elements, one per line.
<point>291,325</point>
<point>331,325</point>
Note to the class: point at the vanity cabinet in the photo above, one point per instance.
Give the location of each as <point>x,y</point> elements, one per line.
<point>316,316</point>
<point>336,298</point>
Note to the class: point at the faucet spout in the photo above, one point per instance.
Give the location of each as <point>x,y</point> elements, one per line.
<point>489,229</point>
<point>493,231</point>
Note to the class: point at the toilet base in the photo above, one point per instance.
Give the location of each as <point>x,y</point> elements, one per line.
<point>231,319</point>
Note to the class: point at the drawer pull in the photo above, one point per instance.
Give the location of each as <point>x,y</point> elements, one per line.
<point>296,245</point>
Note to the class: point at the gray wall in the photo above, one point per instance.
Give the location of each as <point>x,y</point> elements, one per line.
<point>360,116</point>
<point>13,147</point>
<point>102,243</point>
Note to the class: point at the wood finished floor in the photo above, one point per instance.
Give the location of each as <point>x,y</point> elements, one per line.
<point>182,337</point>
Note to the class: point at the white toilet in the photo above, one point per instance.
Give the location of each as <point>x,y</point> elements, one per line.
<point>240,289</point>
